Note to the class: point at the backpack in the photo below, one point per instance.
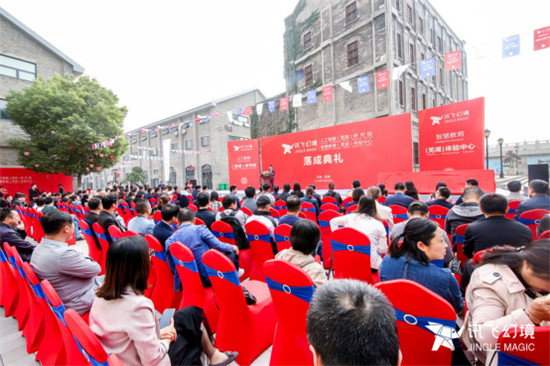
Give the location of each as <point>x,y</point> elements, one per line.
<point>240,236</point>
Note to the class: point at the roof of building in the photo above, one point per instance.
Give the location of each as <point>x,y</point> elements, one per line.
<point>76,67</point>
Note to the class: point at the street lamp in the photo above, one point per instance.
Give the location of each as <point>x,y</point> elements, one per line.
<point>487,134</point>
<point>516,148</point>
<point>500,142</point>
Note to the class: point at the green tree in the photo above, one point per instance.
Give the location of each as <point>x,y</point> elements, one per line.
<point>63,117</point>
<point>136,176</point>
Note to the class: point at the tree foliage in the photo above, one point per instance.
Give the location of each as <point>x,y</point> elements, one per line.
<point>136,176</point>
<point>63,116</point>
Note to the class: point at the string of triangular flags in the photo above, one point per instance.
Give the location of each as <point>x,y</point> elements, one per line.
<point>175,151</point>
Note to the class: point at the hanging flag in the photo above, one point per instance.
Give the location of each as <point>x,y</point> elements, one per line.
<point>327,93</point>
<point>363,85</point>
<point>382,79</point>
<point>239,112</point>
<point>427,68</point>
<point>398,71</point>
<point>229,115</point>
<point>510,46</point>
<point>312,97</point>
<point>271,106</point>
<point>346,86</point>
<point>453,60</point>
<point>542,38</point>
<point>297,100</point>
<point>247,111</point>
<point>283,104</point>
<point>27,153</point>
<point>215,114</point>
<point>259,109</point>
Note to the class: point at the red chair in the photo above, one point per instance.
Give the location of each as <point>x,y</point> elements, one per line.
<point>512,209</point>
<point>291,289</point>
<point>224,232</point>
<point>438,215</point>
<point>399,213</point>
<point>103,241</point>
<point>199,221</point>
<point>381,200</point>
<point>157,216</point>
<point>36,323</point>
<point>21,311</point>
<point>346,202</point>
<point>351,208</point>
<point>115,232</point>
<point>248,329</point>
<point>162,292</point>
<point>282,236</point>
<point>194,293</point>
<point>9,296</point>
<point>326,233</point>
<point>274,213</point>
<point>280,206</point>
<point>93,251</point>
<point>416,309</point>
<point>460,232</point>
<point>532,219</point>
<point>309,210</point>
<point>545,235</point>
<point>330,206</point>
<point>247,211</point>
<point>517,348</point>
<point>329,199</point>
<point>351,254</point>
<point>128,233</point>
<point>192,207</point>
<point>259,238</point>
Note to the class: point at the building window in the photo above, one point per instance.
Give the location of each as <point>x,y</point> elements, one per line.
<point>433,103</point>
<point>3,106</point>
<point>353,54</point>
<point>206,171</point>
<point>439,44</point>
<point>174,146</point>
<point>441,77</point>
<point>401,99</point>
<point>423,101</point>
<point>413,99</point>
<point>410,14</point>
<point>16,68</point>
<point>154,151</point>
<point>307,40</point>
<point>422,57</point>
<point>399,46</point>
<point>420,26</point>
<point>397,6</point>
<point>308,72</point>
<point>411,50</point>
<point>415,153</point>
<point>235,138</point>
<point>351,12</point>
<point>190,173</point>
<point>188,144</point>
<point>205,140</point>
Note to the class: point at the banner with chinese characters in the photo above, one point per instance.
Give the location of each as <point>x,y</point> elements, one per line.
<point>342,153</point>
<point>244,163</point>
<point>451,136</point>
<point>14,180</point>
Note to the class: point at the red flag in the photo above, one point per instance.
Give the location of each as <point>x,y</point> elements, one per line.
<point>327,93</point>
<point>382,79</point>
<point>283,104</point>
<point>542,38</point>
<point>453,60</point>
<point>26,153</point>
<point>247,111</point>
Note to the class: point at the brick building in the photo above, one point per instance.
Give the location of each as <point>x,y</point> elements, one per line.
<point>24,56</point>
<point>198,150</point>
<point>326,43</point>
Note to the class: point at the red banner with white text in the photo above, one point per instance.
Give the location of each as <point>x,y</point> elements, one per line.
<point>244,163</point>
<point>341,154</point>
<point>451,136</point>
<point>19,180</point>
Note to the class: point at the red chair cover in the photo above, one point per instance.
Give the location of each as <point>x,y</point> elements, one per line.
<point>280,206</point>
<point>247,211</point>
<point>438,215</point>
<point>326,233</point>
<point>512,209</point>
<point>532,219</point>
<point>329,199</point>
<point>309,210</point>
<point>350,259</point>
<point>260,245</point>
<point>282,236</point>
<point>85,337</point>
<point>516,347</point>
<point>162,292</point>
<point>399,213</point>
<point>115,232</point>
<point>460,232</point>
<point>330,206</point>
<point>102,238</point>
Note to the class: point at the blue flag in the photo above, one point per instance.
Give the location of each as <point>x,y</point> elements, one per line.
<point>427,68</point>
<point>271,106</point>
<point>510,46</point>
<point>312,97</point>
<point>363,85</point>
<point>239,112</point>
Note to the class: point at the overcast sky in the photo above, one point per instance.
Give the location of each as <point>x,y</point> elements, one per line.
<point>165,57</point>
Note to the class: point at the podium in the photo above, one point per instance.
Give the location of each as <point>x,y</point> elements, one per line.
<point>266,178</point>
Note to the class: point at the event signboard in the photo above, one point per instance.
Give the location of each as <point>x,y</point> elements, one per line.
<point>14,180</point>
<point>451,136</point>
<point>342,153</point>
<point>244,163</point>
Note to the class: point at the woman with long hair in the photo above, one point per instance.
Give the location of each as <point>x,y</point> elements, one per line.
<point>214,204</point>
<point>297,190</point>
<point>410,190</point>
<point>365,220</point>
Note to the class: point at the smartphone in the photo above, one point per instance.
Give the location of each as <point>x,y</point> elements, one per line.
<point>166,318</point>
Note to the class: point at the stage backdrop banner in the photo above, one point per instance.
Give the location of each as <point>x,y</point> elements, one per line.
<point>451,136</point>
<point>15,180</point>
<point>341,154</point>
<point>244,163</point>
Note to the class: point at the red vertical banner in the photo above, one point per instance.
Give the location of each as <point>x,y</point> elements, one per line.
<point>542,38</point>
<point>283,104</point>
<point>327,93</point>
<point>451,136</point>
<point>247,110</point>
<point>453,60</point>
<point>244,163</point>
<point>382,79</point>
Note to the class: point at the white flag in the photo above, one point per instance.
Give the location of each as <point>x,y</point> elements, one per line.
<point>259,108</point>
<point>229,116</point>
<point>297,100</point>
<point>398,71</point>
<point>346,86</point>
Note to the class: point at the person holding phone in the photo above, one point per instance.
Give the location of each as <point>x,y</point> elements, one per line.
<point>12,231</point>
<point>126,323</point>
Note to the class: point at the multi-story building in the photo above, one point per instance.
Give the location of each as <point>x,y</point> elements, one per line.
<point>24,56</point>
<point>197,147</point>
<point>328,42</point>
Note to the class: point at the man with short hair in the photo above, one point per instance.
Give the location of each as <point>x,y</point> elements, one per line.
<point>164,228</point>
<point>465,213</point>
<point>399,197</point>
<point>142,224</point>
<point>265,192</point>
<point>49,205</point>
<point>293,207</point>
<point>71,274</point>
<point>263,214</point>
<point>107,217</point>
<point>250,200</point>
<point>12,231</point>
<point>514,187</point>
<point>384,212</point>
<point>285,194</point>
<point>469,183</point>
<point>94,204</point>
<point>495,228</point>
<point>316,195</point>
<point>538,198</point>
<point>352,323</point>
<point>332,193</point>
<point>441,196</point>
<point>203,212</point>
<point>355,184</point>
